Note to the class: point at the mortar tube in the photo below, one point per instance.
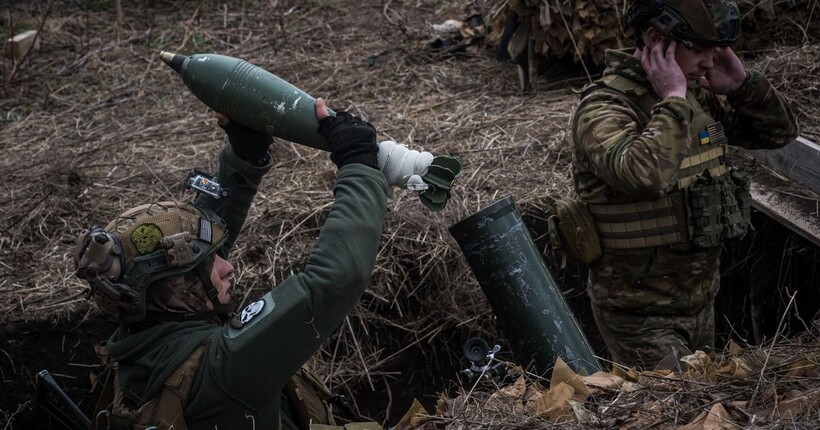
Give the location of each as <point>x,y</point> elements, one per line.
<point>523,295</point>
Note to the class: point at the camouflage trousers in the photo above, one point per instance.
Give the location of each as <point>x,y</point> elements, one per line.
<point>637,340</point>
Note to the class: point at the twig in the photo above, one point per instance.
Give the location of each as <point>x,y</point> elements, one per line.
<point>771,347</point>
<point>14,68</point>
<point>574,44</point>
<point>188,26</point>
<point>360,354</point>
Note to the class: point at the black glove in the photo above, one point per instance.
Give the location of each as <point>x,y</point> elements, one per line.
<point>249,144</point>
<point>351,140</point>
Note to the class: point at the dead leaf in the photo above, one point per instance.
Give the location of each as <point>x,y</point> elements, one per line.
<point>737,368</point>
<point>696,423</point>
<point>700,364</point>
<point>803,368</point>
<point>628,374</point>
<point>582,415</point>
<point>562,373</point>
<point>716,419</point>
<point>511,397</point>
<point>734,349</point>
<point>794,405</point>
<point>414,417</point>
<point>604,381</point>
<point>554,403</point>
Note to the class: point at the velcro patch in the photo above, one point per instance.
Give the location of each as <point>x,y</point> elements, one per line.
<point>251,311</point>
<point>146,237</point>
<point>716,134</point>
<point>205,230</point>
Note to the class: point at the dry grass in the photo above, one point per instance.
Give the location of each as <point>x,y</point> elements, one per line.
<point>93,124</point>
<point>772,386</point>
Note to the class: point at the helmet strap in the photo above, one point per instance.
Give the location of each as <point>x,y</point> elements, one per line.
<point>222,310</point>
<point>209,287</point>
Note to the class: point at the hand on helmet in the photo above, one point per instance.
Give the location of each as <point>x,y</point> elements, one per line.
<point>727,75</point>
<point>351,139</point>
<point>249,144</point>
<point>662,69</point>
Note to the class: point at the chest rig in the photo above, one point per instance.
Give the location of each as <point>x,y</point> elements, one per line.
<point>115,412</point>
<point>711,200</point>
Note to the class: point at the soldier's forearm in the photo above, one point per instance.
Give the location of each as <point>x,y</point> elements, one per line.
<point>241,179</point>
<point>760,117</point>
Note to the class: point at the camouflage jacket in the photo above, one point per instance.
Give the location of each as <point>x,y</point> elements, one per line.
<point>623,155</point>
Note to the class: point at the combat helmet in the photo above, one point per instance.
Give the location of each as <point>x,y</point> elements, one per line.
<point>710,22</point>
<point>144,245</point>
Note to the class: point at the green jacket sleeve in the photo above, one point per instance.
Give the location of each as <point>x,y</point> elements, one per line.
<point>242,180</point>
<point>252,361</point>
<point>639,162</point>
<point>756,116</point>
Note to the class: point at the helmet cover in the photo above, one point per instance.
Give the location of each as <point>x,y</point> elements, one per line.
<point>146,244</point>
<point>710,22</point>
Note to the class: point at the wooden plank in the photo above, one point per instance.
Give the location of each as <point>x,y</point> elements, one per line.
<point>18,46</point>
<point>798,161</point>
<point>786,209</point>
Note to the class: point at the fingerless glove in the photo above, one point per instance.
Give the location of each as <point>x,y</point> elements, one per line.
<point>351,140</point>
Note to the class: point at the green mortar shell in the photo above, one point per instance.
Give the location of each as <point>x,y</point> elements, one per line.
<point>529,305</point>
<point>250,95</point>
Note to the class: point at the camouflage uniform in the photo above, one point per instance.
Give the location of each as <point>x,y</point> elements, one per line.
<point>647,300</point>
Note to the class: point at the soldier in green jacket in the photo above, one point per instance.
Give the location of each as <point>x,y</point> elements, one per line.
<point>649,161</point>
<point>160,271</point>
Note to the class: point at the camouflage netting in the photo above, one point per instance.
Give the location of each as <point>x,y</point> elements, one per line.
<point>581,28</point>
<point>584,29</point>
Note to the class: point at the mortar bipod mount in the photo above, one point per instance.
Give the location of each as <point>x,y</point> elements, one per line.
<point>481,358</point>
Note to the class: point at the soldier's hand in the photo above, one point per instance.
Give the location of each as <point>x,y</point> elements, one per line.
<point>662,69</point>
<point>727,75</point>
<point>248,144</point>
<point>351,139</point>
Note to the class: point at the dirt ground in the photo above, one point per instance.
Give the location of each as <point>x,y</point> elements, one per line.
<point>92,123</point>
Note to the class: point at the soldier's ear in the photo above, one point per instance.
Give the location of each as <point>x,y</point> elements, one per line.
<point>651,37</point>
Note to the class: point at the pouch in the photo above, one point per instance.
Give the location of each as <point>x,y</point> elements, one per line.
<point>705,206</point>
<point>572,232</point>
<point>741,193</point>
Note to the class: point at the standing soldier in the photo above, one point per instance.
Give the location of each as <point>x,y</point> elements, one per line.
<point>160,271</point>
<point>650,163</point>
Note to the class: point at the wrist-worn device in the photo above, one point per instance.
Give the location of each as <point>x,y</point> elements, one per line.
<point>204,183</point>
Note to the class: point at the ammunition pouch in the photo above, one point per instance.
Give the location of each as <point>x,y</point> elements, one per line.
<point>572,232</point>
<point>309,405</point>
<point>115,412</point>
<point>720,208</point>
<point>307,398</point>
<point>710,211</point>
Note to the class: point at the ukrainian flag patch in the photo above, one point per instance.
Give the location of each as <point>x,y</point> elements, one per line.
<point>704,137</point>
